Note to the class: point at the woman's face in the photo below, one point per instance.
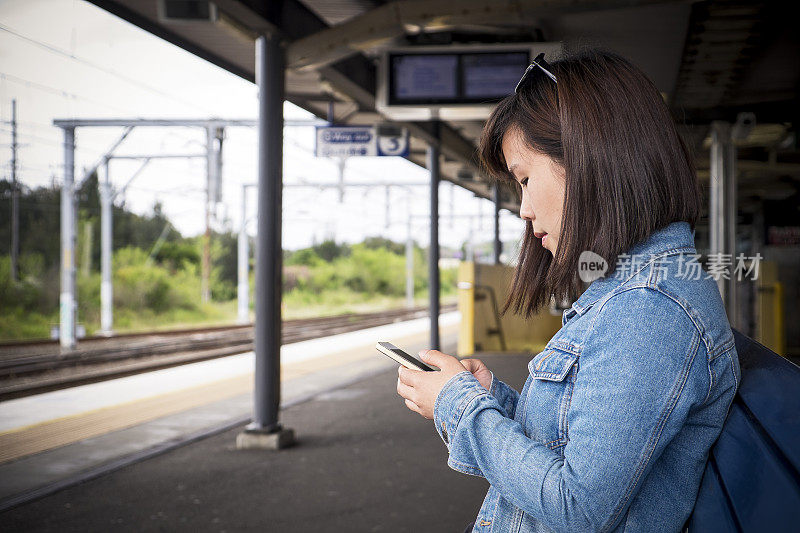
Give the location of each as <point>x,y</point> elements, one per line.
<point>542,183</point>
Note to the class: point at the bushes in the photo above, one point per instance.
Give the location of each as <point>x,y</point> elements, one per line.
<point>372,271</point>
<point>306,257</point>
<point>139,285</point>
<point>23,294</point>
<point>164,291</point>
<point>367,270</point>
<point>24,309</point>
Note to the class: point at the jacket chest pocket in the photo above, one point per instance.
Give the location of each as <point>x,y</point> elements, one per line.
<point>549,393</point>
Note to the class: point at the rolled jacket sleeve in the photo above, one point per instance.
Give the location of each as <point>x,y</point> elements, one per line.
<point>631,397</point>
<point>451,403</point>
<point>505,395</point>
<point>455,398</point>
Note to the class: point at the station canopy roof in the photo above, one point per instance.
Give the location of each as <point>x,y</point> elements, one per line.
<point>711,60</point>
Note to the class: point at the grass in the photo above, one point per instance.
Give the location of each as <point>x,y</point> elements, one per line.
<point>356,304</point>
<point>18,326</point>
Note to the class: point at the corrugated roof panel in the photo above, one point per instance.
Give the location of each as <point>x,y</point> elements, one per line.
<point>335,12</point>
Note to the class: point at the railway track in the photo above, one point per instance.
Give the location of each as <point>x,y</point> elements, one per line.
<point>33,367</point>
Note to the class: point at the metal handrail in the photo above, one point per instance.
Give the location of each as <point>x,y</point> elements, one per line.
<point>491,292</point>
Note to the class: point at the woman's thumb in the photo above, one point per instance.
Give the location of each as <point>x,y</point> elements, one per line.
<point>473,365</point>
<point>435,358</point>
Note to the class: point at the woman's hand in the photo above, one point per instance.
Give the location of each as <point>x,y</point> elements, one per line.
<point>420,388</point>
<point>480,371</point>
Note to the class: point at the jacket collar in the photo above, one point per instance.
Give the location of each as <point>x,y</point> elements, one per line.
<point>676,235</point>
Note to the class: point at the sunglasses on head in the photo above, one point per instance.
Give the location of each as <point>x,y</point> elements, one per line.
<point>539,62</point>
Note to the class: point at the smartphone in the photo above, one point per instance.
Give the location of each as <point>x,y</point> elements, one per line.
<point>392,351</point>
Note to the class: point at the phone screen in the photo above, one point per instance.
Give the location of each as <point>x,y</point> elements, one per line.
<point>398,355</point>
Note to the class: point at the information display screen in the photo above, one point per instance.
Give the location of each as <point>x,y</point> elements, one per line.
<point>492,75</point>
<point>425,77</point>
<point>454,78</point>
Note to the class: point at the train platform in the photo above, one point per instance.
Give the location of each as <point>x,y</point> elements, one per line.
<point>351,470</point>
<point>363,462</point>
<point>52,440</point>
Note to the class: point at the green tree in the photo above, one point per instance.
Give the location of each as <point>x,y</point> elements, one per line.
<point>328,250</point>
<point>305,256</point>
<point>224,272</point>
<point>39,222</point>
<point>381,242</point>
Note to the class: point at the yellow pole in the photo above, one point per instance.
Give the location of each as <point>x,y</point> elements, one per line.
<point>466,305</point>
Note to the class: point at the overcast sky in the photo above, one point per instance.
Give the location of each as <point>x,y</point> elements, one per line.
<point>70,59</point>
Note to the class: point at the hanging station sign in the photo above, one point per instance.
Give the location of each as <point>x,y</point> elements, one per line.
<point>356,141</point>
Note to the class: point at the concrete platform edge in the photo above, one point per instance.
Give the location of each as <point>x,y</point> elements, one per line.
<point>112,466</point>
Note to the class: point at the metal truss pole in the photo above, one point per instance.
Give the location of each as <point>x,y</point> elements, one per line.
<point>409,262</point>
<point>387,215</point>
<point>67,299</point>
<point>214,138</point>
<point>106,238</point>
<point>205,265</point>
<point>722,209</point>
<point>433,256</point>
<point>470,247</point>
<point>341,164</point>
<point>243,270</point>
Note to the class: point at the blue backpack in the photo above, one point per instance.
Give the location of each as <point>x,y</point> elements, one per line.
<point>752,478</point>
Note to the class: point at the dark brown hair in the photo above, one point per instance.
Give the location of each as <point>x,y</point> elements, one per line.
<point>627,171</point>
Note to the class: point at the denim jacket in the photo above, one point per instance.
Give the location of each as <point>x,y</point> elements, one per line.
<point>612,429</point>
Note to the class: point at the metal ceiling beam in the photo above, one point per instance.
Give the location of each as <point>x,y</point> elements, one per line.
<point>240,12</point>
<point>389,21</point>
<point>778,111</point>
<point>165,122</point>
<point>762,167</point>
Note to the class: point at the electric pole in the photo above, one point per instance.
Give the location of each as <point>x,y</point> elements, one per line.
<point>14,194</point>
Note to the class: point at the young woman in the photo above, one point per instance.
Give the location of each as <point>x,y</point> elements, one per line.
<point>612,429</point>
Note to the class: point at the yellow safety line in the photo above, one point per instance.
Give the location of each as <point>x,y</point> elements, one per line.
<point>35,438</point>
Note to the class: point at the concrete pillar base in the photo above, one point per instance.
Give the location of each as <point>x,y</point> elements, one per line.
<point>256,440</point>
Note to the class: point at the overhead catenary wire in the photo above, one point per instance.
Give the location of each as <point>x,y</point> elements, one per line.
<point>53,142</point>
<point>58,92</point>
<point>65,53</point>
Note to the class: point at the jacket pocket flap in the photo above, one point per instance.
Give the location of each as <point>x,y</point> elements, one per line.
<point>552,364</point>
